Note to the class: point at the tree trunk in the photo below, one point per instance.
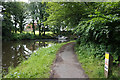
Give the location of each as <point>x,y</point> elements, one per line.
<point>44,31</point>
<point>33,27</point>
<point>39,43</point>
<point>59,29</point>
<point>39,25</point>
<point>40,30</point>
<point>21,25</point>
<point>15,26</point>
<point>21,28</point>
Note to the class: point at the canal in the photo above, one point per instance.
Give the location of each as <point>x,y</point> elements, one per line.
<point>14,52</point>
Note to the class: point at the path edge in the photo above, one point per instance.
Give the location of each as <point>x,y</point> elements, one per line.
<point>56,58</point>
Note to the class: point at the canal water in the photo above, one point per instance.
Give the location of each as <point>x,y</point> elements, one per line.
<point>13,52</point>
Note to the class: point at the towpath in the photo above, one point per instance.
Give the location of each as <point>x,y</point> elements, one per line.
<point>66,64</point>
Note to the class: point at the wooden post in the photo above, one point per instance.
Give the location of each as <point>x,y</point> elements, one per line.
<point>108,65</point>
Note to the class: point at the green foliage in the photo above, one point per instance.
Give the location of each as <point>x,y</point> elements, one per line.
<point>38,14</point>
<point>101,27</point>
<point>6,21</point>
<point>27,36</point>
<point>14,13</point>
<point>22,36</point>
<point>22,15</point>
<point>92,56</point>
<point>64,15</point>
<point>91,63</point>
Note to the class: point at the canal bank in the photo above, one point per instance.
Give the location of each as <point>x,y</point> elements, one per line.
<point>37,65</point>
<point>14,52</point>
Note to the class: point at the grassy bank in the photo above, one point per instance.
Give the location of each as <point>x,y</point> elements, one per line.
<point>37,66</point>
<point>36,32</point>
<point>91,56</point>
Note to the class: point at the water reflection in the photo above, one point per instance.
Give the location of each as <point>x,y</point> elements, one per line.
<point>14,52</point>
<point>60,41</point>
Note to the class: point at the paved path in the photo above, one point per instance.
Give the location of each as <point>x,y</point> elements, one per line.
<point>66,64</point>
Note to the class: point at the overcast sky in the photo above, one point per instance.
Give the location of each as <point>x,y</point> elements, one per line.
<point>15,0</point>
<point>23,0</point>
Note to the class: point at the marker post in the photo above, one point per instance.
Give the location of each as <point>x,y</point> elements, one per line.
<point>108,65</point>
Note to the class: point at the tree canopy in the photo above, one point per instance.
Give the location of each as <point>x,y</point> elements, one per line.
<point>97,22</point>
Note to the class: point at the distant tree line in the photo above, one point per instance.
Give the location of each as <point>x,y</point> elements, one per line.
<point>16,14</point>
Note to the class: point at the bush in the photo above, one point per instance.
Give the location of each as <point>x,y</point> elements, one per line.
<point>15,37</point>
<point>22,36</point>
<point>26,36</point>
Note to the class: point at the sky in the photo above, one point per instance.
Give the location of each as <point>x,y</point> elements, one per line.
<point>22,0</point>
<point>14,0</point>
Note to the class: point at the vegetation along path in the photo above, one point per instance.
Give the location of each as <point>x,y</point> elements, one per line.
<point>66,64</point>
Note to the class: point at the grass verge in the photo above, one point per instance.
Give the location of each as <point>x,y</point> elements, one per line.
<point>38,65</point>
<point>93,66</point>
<point>92,59</point>
<point>36,32</point>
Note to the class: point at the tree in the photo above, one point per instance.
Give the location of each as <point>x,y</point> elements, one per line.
<point>17,11</point>
<point>14,15</point>
<point>45,16</point>
<point>102,26</point>
<point>41,15</point>
<point>69,13</point>
<point>94,22</point>
<point>22,16</point>
<point>7,24</point>
<point>32,9</point>
<point>14,7</point>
